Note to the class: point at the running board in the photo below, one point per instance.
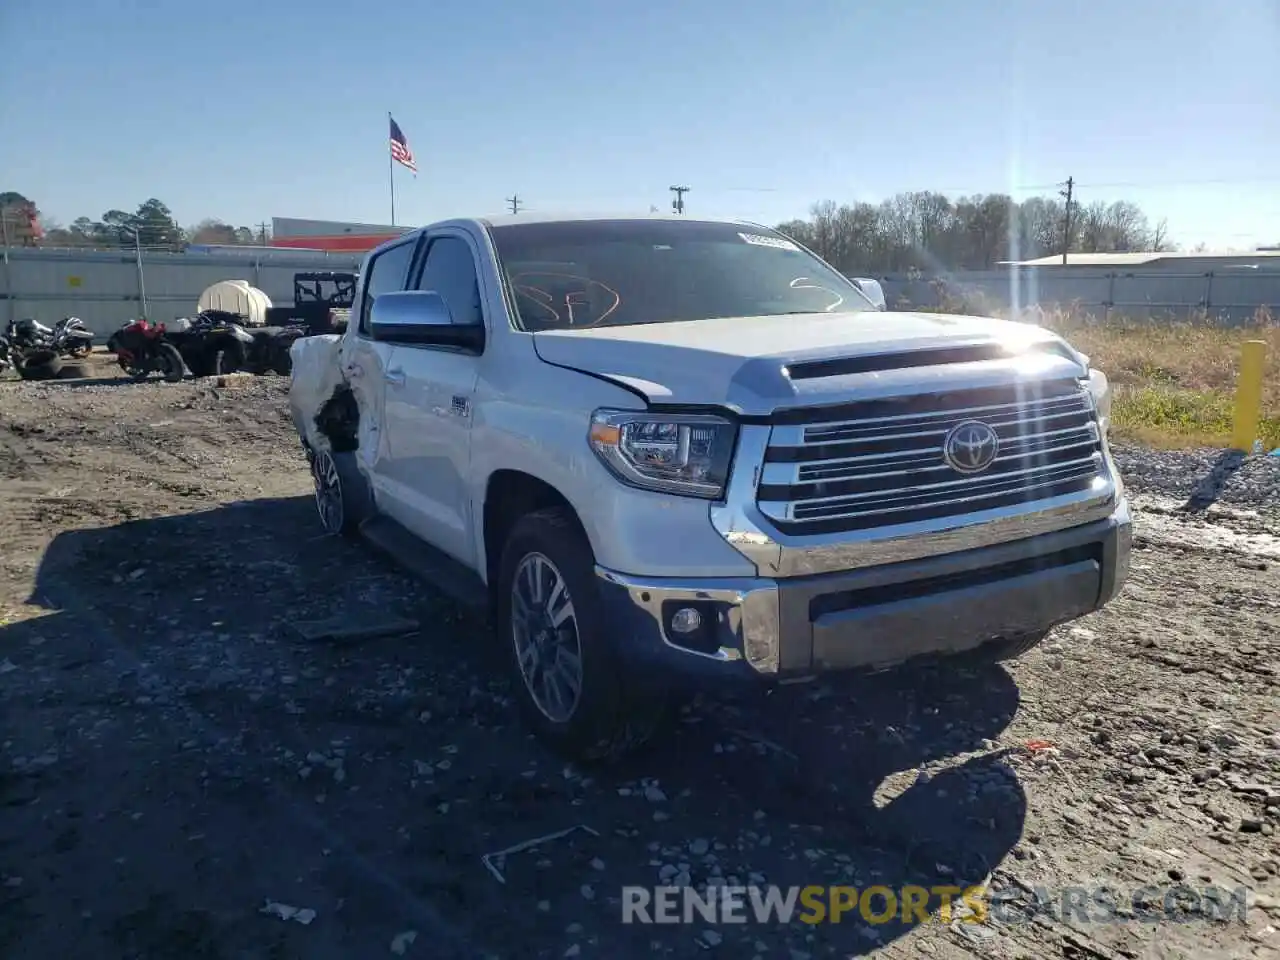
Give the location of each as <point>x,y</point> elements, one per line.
<point>426,562</point>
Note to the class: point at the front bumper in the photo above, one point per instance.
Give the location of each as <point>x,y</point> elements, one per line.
<point>762,629</point>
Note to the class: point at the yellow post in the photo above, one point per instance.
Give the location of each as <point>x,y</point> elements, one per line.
<point>1253,358</point>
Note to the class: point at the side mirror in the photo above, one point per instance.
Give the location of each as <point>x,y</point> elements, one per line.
<point>421,317</point>
<point>872,290</point>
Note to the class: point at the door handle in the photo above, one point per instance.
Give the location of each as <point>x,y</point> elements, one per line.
<point>394,377</point>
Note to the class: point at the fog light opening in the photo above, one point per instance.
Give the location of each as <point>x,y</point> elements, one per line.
<point>692,625</point>
<point>685,621</point>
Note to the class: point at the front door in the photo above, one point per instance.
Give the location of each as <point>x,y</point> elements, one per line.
<point>429,407</point>
<point>365,361</point>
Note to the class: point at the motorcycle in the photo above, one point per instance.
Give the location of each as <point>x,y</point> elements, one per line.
<point>37,351</point>
<point>73,338</point>
<point>142,348</point>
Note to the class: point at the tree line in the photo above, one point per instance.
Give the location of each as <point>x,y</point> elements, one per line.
<point>151,225</point>
<point>923,230</point>
<point>930,232</point>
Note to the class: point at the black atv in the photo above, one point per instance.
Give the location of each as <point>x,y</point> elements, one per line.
<point>218,342</point>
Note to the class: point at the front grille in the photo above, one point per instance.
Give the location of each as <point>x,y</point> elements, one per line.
<point>883,464</point>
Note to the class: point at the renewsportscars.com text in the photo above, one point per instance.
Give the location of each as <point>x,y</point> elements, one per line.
<point>918,904</point>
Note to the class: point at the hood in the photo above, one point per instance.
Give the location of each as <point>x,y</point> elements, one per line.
<point>756,365</point>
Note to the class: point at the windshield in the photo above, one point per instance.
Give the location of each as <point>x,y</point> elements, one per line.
<point>591,273</point>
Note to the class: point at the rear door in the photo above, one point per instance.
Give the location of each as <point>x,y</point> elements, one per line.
<point>365,361</point>
<point>429,414</point>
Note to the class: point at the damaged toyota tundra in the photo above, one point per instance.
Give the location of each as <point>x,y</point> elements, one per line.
<point>669,454</point>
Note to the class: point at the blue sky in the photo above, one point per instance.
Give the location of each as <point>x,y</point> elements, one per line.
<point>246,111</point>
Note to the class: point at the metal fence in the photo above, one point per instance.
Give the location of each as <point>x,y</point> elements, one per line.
<point>105,288</point>
<point>1231,295</point>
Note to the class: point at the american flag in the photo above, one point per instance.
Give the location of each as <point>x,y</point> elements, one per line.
<point>400,151</point>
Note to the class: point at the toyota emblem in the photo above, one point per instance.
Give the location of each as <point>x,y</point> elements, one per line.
<point>970,447</point>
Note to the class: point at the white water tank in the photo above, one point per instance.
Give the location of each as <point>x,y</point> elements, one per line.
<point>237,296</point>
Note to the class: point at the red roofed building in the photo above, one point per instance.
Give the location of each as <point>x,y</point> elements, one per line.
<point>331,235</point>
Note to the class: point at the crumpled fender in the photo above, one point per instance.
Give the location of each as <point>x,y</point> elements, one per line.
<point>316,375</point>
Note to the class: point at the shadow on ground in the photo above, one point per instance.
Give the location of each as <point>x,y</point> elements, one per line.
<point>1209,488</point>
<point>178,758</point>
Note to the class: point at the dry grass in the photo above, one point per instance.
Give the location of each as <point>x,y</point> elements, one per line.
<point>1174,380</point>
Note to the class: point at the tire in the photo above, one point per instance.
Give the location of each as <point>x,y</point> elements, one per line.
<point>343,500</point>
<point>170,362</point>
<point>199,363</point>
<point>44,370</point>
<point>282,362</point>
<point>73,371</point>
<point>606,719</point>
<point>1010,648</point>
<point>133,369</point>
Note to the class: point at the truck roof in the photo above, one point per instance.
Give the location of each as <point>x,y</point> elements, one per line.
<point>485,223</point>
<point>509,219</point>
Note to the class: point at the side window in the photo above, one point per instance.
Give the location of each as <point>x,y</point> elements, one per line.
<point>450,271</point>
<point>386,272</point>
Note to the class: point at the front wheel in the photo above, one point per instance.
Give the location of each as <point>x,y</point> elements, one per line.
<point>170,362</point>
<point>566,678</point>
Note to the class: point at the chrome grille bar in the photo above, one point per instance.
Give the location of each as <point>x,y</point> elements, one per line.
<point>890,469</point>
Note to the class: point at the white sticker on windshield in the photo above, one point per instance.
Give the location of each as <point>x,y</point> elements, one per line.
<point>776,242</point>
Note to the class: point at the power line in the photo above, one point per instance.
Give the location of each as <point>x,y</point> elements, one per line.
<point>514,200</point>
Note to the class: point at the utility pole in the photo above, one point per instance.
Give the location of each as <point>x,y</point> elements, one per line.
<point>142,281</point>
<point>262,234</point>
<point>678,203</point>
<point>8,271</point>
<point>514,200</point>
<point>1066,220</point>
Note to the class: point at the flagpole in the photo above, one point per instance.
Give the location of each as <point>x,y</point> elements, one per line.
<point>391,171</point>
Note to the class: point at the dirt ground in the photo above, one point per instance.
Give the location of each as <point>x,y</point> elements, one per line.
<point>173,758</point>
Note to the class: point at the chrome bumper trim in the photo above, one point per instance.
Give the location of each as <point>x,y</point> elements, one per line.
<point>752,608</point>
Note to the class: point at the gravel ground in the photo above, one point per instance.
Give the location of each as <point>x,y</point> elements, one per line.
<point>1253,484</point>
<point>173,758</point>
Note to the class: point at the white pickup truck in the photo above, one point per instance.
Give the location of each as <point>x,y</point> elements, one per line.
<point>668,452</point>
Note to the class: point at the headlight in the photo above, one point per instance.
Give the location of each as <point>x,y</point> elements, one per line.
<point>687,454</point>
<point>1100,390</point>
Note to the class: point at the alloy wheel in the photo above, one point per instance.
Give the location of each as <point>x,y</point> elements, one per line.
<point>544,630</point>
<point>324,473</point>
